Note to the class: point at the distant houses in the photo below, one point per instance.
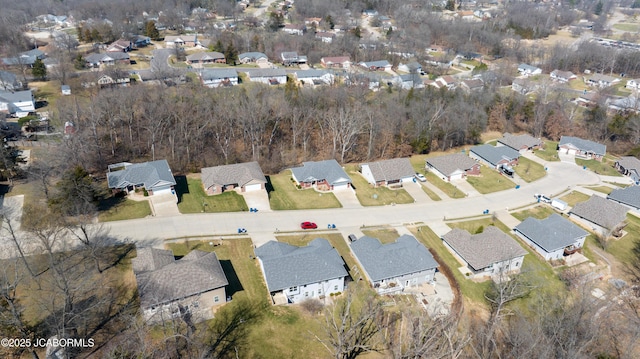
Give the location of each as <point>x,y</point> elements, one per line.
<point>629,166</point>
<point>337,62</point>
<point>527,70</point>
<point>629,196</point>
<point>382,65</point>
<point>213,78</point>
<point>267,76</point>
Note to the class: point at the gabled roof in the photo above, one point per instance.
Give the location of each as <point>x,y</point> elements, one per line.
<point>26,58</point>
<point>206,56</point>
<point>566,75</point>
<point>528,68</point>
<point>252,55</point>
<point>601,211</point>
<point>448,164</point>
<point>16,96</point>
<point>603,78</point>
<point>149,259</point>
<point>483,249</point>
<point>183,38</point>
<point>493,154</point>
<point>551,233</point>
<point>241,174</point>
<point>391,170</point>
<point>335,59</point>
<point>218,74</point>
<point>289,55</point>
<point>473,84</point>
<point>257,73</point>
<point>518,142</point>
<point>305,74</point>
<point>287,266</point>
<point>629,196</point>
<point>583,145</point>
<point>111,56</point>
<point>166,281</point>
<point>630,163</point>
<point>387,261</point>
<point>150,174</point>
<point>380,63</point>
<point>328,170</point>
<point>8,78</point>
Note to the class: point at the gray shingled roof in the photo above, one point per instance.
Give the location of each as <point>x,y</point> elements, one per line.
<point>252,55</point>
<point>287,266</point>
<point>209,56</point>
<point>149,174</point>
<point>302,74</point>
<point>218,74</point>
<point>328,170</point>
<point>527,67</point>
<point>256,73</point>
<point>116,56</point>
<point>241,174</point>
<point>385,261</point>
<point>629,163</point>
<point>448,164</point>
<point>551,233</point>
<point>380,63</point>
<point>195,273</point>
<point>391,170</point>
<point>584,145</point>
<point>518,142</point>
<point>8,78</point>
<point>16,96</point>
<point>601,211</point>
<point>483,249</point>
<point>149,259</point>
<point>493,154</point>
<point>629,196</point>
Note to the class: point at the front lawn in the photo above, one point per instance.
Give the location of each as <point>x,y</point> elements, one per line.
<point>284,195</point>
<point>376,196</point>
<point>549,152</point>
<point>446,187</point>
<point>473,225</point>
<point>574,197</point>
<point>490,181</point>
<point>384,234</point>
<point>602,189</point>
<point>529,170</point>
<point>430,193</point>
<point>193,199</point>
<point>540,211</point>
<point>118,210</point>
<point>602,168</point>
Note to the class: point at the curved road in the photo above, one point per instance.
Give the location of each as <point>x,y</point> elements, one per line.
<point>560,177</point>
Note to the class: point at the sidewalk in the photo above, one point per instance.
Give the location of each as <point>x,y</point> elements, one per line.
<point>443,196</point>
<point>505,217</point>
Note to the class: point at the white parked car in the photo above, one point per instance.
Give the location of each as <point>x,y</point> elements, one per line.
<point>421,177</point>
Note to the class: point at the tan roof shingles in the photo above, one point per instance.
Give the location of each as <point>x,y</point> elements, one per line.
<point>448,164</point>
<point>391,170</point>
<point>601,211</point>
<point>239,173</point>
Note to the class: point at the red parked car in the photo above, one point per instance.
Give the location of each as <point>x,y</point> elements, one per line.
<point>308,225</point>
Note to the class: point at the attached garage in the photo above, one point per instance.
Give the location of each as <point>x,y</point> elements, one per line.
<point>253,187</point>
<point>162,190</point>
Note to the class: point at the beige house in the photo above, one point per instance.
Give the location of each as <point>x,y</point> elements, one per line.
<point>241,177</point>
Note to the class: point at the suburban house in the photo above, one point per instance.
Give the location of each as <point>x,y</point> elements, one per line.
<point>629,166</point>
<point>9,81</point>
<point>141,41</point>
<point>552,237</point>
<point>407,81</point>
<point>393,172</point>
<point>633,84</point>
<point>521,143</point>
<point>27,58</point>
<point>212,57</point>
<point>392,267</point>
<point>313,21</point>
<point>181,40</point>
<point>562,76</point>
<point>154,177</point>
<point>326,37</point>
<point>109,81</point>
<point>367,79</point>
<point>629,103</point>
<point>241,177</point>
<point>290,58</point>
<point>453,167</point>
<point>601,80</point>
<point>294,29</point>
<point>219,77</point>
<point>629,196</point>
<point>314,77</point>
<point>528,70</point>
<point>382,65</point>
<point>172,288</point>
<point>603,216</point>
<point>253,57</point>
<point>411,67</point>
<point>18,103</point>
<point>107,59</point>
<point>336,62</point>
<point>524,86</point>
<point>489,253</point>
<point>472,85</point>
<point>294,274</point>
<point>65,90</point>
<point>267,76</point>
<point>582,148</point>
<point>323,175</point>
<point>120,45</point>
<point>445,81</point>
<point>495,157</point>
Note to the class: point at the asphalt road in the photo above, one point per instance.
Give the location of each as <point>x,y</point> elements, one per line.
<point>561,177</point>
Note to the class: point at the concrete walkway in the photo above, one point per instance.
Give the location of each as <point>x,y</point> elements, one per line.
<point>466,187</point>
<point>443,196</point>
<point>257,199</point>
<point>415,191</point>
<point>505,217</point>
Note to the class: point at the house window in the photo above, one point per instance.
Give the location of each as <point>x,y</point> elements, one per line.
<point>293,289</point>
<point>319,290</point>
<point>304,286</point>
<point>306,294</point>
<point>517,264</point>
<point>216,299</point>
<point>335,287</point>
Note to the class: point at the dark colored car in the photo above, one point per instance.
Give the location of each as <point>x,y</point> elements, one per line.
<point>308,225</point>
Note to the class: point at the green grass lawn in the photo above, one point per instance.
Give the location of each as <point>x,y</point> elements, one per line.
<point>430,193</point>
<point>193,199</point>
<point>385,235</point>
<point>376,196</point>
<point>574,197</point>
<point>473,225</point>
<point>540,211</point>
<point>602,189</point>
<point>550,151</point>
<point>336,240</point>
<point>471,290</point>
<point>284,195</point>
<point>446,187</point>
<point>603,168</point>
<point>124,209</point>
<point>621,248</point>
<point>490,181</point>
<point>529,170</point>
<point>626,27</point>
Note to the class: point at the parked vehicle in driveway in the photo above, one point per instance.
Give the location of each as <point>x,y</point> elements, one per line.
<point>559,205</point>
<point>542,198</point>
<point>421,177</point>
<point>308,225</point>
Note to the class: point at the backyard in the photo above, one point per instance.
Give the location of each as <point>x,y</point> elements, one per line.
<point>529,170</point>
<point>602,168</point>
<point>284,195</point>
<point>621,248</point>
<point>376,196</point>
<point>490,181</point>
<point>549,152</point>
<point>193,199</point>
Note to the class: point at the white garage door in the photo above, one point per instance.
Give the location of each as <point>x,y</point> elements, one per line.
<point>162,190</point>
<point>456,176</point>
<point>341,186</point>
<point>253,187</point>
<point>571,152</point>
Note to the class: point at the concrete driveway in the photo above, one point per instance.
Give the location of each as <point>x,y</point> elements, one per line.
<point>466,187</point>
<point>415,191</point>
<point>164,205</point>
<point>257,199</point>
<point>347,198</point>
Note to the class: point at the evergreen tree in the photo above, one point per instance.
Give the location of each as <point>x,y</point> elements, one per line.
<point>218,46</point>
<point>39,70</point>
<point>151,30</point>
<point>231,55</point>
<point>598,9</point>
<point>451,5</point>
<point>78,62</point>
<point>80,33</point>
<point>87,35</point>
<point>357,32</point>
